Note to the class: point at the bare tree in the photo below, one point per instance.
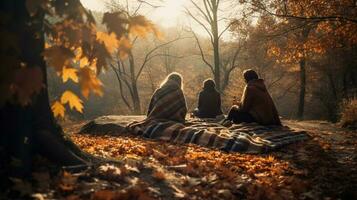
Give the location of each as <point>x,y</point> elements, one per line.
<point>205,13</point>
<point>129,71</point>
<point>128,74</point>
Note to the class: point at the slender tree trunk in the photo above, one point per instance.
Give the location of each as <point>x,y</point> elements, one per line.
<point>121,86</point>
<point>217,71</point>
<point>136,99</point>
<point>300,113</point>
<point>225,81</point>
<point>134,86</point>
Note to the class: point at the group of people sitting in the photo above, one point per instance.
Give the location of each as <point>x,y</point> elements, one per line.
<point>256,105</point>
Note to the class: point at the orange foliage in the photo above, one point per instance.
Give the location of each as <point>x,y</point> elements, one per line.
<point>69,73</point>
<point>74,48</point>
<point>89,82</point>
<point>58,109</point>
<point>72,100</point>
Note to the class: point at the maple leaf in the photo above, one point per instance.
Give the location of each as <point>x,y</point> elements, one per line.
<point>124,47</point>
<point>69,73</point>
<point>58,57</point>
<point>73,100</point>
<point>110,41</point>
<point>58,109</point>
<point>141,26</point>
<point>83,62</point>
<point>89,82</point>
<point>101,54</point>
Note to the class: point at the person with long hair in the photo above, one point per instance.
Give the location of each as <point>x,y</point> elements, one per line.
<point>168,101</point>
<point>256,104</point>
<point>209,101</point>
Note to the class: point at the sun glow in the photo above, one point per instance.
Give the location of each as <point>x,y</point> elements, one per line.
<point>170,13</point>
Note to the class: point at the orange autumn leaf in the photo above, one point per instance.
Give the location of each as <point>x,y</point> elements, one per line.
<point>90,82</point>
<point>159,175</point>
<point>124,47</point>
<point>73,100</point>
<point>141,26</point>
<point>58,109</point>
<point>58,57</point>
<point>83,62</point>
<point>69,73</point>
<point>103,194</point>
<point>67,182</point>
<point>110,40</point>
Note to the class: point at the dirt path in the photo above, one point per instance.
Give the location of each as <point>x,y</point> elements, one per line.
<point>340,143</point>
<point>330,158</point>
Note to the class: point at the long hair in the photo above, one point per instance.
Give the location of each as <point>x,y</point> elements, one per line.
<point>174,76</point>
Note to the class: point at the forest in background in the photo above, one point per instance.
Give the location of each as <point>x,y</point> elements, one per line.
<point>309,65</point>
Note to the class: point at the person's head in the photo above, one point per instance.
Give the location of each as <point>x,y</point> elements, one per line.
<point>175,77</point>
<point>249,75</point>
<point>209,84</point>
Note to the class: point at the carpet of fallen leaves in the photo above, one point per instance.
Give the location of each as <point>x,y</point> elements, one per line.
<point>321,168</point>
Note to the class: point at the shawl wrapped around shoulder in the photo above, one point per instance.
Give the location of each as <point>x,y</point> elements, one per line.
<point>166,121</point>
<point>168,103</point>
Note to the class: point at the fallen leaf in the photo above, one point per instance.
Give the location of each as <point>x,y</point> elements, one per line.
<point>67,182</point>
<point>160,176</point>
<point>104,195</point>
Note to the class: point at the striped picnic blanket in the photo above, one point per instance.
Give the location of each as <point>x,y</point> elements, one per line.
<point>244,137</point>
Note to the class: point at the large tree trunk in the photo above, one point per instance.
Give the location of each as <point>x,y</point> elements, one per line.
<point>301,105</point>
<point>32,129</point>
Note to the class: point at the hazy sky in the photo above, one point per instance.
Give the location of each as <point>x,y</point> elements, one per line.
<point>171,13</point>
<point>168,15</point>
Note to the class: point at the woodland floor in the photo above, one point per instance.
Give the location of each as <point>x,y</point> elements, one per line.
<point>324,167</point>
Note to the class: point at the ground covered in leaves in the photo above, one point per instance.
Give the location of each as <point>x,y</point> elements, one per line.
<point>325,167</point>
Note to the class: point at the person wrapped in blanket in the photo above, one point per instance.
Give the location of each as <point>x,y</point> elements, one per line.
<point>209,101</point>
<point>166,122</point>
<point>168,101</point>
<point>256,104</point>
